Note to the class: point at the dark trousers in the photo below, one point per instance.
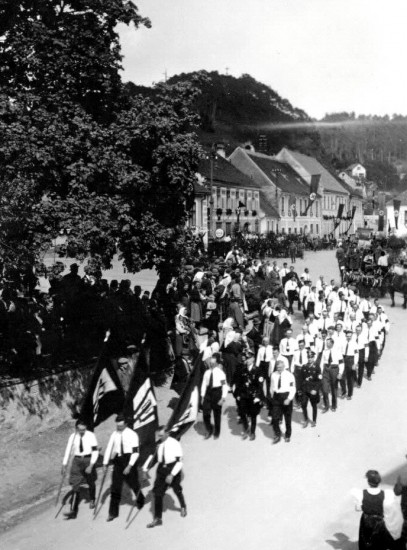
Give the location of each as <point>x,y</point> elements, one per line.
<point>248,412</point>
<point>330,385</point>
<point>210,405</point>
<point>161,486</point>
<point>119,464</point>
<point>314,400</point>
<point>278,411</point>
<point>79,476</point>
<point>372,358</point>
<point>291,295</point>
<point>361,366</point>
<point>348,375</point>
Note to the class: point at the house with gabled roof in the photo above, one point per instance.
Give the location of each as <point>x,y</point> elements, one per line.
<point>235,200</point>
<point>285,190</point>
<point>331,188</point>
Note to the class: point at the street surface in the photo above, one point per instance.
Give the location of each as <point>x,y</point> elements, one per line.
<point>250,495</point>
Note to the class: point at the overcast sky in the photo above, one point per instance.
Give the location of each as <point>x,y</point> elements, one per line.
<point>322,55</point>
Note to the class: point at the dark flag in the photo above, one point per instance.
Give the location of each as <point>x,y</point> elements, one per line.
<point>292,206</point>
<point>352,216</point>
<point>381,212</point>
<point>313,191</point>
<point>140,408</point>
<point>105,395</point>
<point>339,215</point>
<point>396,206</point>
<point>186,410</point>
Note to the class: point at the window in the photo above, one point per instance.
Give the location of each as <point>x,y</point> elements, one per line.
<point>233,199</point>
<point>283,230</point>
<point>317,229</point>
<point>295,230</point>
<point>228,202</point>
<point>228,228</point>
<point>257,201</point>
<point>223,203</point>
<point>316,209</point>
<point>405,217</point>
<point>249,204</point>
<point>268,226</point>
<point>300,230</point>
<point>192,215</point>
<point>310,211</point>
<point>311,228</point>
<point>289,230</point>
<point>272,225</point>
<point>282,206</point>
<point>218,225</point>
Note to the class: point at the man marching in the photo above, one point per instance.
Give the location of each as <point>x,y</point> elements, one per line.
<point>123,450</point>
<point>169,457</point>
<point>214,391</point>
<point>309,384</point>
<point>83,446</point>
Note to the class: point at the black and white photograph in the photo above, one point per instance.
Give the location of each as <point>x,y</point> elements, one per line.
<point>203,274</point>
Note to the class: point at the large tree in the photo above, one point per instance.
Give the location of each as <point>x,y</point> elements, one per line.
<point>78,153</point>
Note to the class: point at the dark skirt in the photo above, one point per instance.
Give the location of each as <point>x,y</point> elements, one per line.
<point>373,534</point>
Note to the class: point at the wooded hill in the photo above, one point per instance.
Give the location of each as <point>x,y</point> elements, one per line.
<point>239,110</point>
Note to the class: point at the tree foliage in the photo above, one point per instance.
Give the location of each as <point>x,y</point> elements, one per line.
<point>78,154</point>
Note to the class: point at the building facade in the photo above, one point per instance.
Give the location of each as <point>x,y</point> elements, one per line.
<point>332,190</point>
<point>234,199</point>
<point>284,189</point>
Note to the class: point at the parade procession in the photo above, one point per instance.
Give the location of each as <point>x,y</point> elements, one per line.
<point>203,275</point>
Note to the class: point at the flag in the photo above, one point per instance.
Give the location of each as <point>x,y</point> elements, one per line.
<point>352,216</point>
<point>292,204</point>
<point>105,395</point>
<point>381,212</point>
<point>313,191</point>
<point>396,206</point>
<point>339,215</point>
<point>140,408</point>
<point>186,410</point>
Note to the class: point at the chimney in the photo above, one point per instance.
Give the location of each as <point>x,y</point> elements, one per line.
<point>220,149</point>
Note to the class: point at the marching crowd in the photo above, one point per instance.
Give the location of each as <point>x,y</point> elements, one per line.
<point>267,364</point>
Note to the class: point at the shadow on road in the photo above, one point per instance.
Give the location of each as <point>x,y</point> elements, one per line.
<point>343,542</point>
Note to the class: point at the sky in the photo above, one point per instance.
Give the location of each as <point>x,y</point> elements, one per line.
<point>323,56</point>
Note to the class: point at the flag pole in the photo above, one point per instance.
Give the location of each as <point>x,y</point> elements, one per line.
<point>63,475</point>
<point>151,459</point>
<point>95,513</point>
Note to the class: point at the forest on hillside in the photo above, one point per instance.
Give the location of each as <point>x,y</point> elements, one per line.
<point>240,110</point>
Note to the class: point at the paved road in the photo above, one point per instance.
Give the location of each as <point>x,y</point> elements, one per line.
<point>247,495</point>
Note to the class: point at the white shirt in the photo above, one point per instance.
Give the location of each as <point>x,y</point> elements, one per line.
<point>383,261</point>
<point>287,383</point>
<point>308,339</point>
<point>336,359</point>
<point>219,381</point>
<point>168,452</point>
<point>339,339</point>
<point>273,362</point>
<point>324,323</point>
<point>320,345</point>
<point>128,441</point>
<point>300,358</point>
<point>351,348</point>
<point>290,285</point>
<point>306,276</point>
<point>304,291</point>
<point>319,307</point>
<point>89,443</point>
<point>265,353</point>
<point>288,346</point>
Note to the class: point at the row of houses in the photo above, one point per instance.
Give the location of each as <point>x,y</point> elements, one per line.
<point>262,193</point>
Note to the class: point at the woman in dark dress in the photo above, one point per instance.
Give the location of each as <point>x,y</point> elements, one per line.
<point>373,533</point>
